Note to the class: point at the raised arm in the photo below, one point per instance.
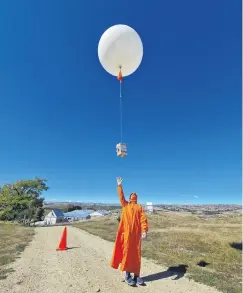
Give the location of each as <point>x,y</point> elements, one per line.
<point>144,221</point>
<point>120,192</point>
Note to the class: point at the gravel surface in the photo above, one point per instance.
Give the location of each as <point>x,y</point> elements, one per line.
<point>82,268</point>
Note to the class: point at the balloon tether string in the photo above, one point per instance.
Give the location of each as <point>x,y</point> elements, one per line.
<point>120,79</point>
<point>121,107</point>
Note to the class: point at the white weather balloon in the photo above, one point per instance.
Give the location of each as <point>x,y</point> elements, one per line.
<point>120,48</point>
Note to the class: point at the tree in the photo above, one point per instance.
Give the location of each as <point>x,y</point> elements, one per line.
<point>70,207</point>
<point>39,214</point>
<point>73,208</point>
<point>22,200</point>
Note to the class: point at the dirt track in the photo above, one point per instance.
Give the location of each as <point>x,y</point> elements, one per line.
<point>83,268</point>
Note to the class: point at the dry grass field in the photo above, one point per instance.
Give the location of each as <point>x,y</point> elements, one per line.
<point>13,240</point>
<point>185,240</point>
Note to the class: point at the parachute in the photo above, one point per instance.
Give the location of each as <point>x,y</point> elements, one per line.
<point>120,52</point>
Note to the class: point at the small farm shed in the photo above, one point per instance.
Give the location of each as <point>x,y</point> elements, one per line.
<point>55,216</point>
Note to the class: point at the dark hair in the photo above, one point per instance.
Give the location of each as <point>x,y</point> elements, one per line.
<point>133,193</point>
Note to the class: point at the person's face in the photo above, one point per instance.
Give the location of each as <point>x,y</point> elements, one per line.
<point>133,197</point>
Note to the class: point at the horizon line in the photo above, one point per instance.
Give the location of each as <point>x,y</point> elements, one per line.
<point>114,203</point>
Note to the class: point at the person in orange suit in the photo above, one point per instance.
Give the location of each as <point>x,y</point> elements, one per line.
<point>133,227</point>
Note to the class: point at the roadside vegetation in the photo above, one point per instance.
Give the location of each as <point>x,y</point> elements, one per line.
<point>14,239</point>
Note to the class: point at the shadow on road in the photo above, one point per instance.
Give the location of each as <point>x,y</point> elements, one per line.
<point>69,248</point>
<point>178,271</point>
<point>236,245</point>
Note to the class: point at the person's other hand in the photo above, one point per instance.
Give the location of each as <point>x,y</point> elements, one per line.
<point>144,235</point>
<point>119,181</point>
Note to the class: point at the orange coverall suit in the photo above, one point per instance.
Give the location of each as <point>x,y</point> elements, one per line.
<point>127,250</point>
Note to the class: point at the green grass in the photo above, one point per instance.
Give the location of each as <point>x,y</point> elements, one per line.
<point>179,238</point>
<point>14,239</point>
<point>105,228</point>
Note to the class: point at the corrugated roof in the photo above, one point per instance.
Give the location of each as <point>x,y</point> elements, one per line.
<point>77,214</point>
<point>80,212</point>
<point>103,212</point>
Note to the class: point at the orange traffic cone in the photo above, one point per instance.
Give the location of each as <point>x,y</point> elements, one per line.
<point>63,242</point>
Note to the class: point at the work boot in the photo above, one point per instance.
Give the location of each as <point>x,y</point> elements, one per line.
<point>138,280</point>
<point>129,280</point>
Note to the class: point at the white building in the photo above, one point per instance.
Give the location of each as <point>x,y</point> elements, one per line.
<point>55,216</point>
<point>149,207</point>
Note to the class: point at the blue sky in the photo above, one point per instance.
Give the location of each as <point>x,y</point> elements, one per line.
<point>182,108</point>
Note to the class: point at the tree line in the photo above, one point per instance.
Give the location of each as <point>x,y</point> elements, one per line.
<point>22,202</point>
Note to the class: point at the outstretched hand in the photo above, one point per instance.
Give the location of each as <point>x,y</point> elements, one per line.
<point>119,180</point>
<point>144,235</point>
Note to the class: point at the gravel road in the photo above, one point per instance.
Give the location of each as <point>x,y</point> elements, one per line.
<point>83,268</point>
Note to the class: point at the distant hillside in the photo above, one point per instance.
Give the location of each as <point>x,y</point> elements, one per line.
<point>210,209</point>
<point>195,209</point>
<point>93,206</point>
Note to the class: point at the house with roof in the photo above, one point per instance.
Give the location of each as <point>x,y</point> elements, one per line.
<point>54,217</point>
<point>99,213</point>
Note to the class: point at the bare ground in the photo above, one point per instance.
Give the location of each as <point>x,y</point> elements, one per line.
<point>83,268</point>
